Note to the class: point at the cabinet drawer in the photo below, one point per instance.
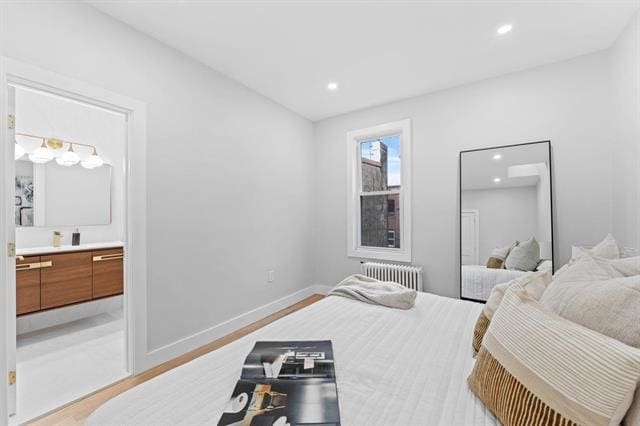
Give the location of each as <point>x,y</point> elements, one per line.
<point>108,272</point>
<point>68,280</point>
<point>27,285</point>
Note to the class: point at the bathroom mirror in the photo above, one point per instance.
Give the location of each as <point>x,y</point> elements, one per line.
<point>53,195</point>
<point>506,225</point>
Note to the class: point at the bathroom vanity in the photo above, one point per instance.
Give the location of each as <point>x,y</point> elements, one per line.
<point>48,277</point>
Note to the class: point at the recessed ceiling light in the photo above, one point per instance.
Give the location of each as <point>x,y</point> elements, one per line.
<point>496,180</point>
<point>505,29</point>
<point>332,86</point>
<point>497,156</point>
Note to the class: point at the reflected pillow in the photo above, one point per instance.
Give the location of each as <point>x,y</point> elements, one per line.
<point>525,256</point>
<point>534,284</point>
<point>499,255</point>
<point>544,265</point>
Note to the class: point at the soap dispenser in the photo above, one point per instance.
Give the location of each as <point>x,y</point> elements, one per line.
<point>57,237</point>
<point>75,238</point>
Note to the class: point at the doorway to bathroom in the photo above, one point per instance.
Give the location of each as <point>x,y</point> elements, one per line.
<point>69,236</point>
<point>70,308</point>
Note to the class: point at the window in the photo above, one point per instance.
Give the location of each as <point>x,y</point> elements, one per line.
<point>391,238</point>
<point>379,192</point>
<point>391,207</point>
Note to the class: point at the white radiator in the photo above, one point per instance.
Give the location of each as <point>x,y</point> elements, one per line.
<point>408,276</point>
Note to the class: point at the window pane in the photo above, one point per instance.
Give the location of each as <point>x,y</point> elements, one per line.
<point>380,164</point>
<point>379,227</point>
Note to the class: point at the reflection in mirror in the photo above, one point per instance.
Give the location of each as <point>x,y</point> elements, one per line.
<point>505,216</point>
<point>53,195</point>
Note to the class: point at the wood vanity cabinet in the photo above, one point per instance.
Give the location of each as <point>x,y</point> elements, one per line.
<point>108,272</point>
<point>68,280</point>
<point>27,285</point>
<point>53,280</point>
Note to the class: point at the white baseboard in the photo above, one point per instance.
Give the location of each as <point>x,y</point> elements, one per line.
<point>196,340</point>
<point>321,289</point>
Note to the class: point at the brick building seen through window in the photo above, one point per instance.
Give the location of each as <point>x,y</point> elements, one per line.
<point>380,172</point>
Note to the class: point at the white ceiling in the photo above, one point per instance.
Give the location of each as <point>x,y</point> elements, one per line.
<point>479,167</point>
<point>378,51</point>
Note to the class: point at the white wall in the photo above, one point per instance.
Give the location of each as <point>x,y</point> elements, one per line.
<point>568,103</point>
<point>40,114</point>
<point>505,215</point>
<point>229,173</point>
<point>625,64</point>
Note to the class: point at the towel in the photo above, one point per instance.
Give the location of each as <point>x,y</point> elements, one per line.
<point>370,290</point>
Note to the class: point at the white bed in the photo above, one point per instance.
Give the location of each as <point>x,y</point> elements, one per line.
<point>478,280</point>
<point>393,367</point>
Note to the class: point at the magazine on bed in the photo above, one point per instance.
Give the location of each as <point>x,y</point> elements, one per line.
<point>285,384</point>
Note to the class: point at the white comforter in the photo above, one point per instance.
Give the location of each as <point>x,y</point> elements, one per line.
<point>393,367</point>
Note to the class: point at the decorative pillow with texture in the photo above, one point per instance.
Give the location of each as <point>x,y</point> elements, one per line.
<point>525,256</point>
<point>586,268</point>
<point>607,248</point>
<point>498,256</point>
<point>633,415</point>
<point>610,307</point>
<point>534,284</point>
<point>535,367</point>
<point>627,266</point>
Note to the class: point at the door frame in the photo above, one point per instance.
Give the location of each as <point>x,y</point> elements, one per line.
<point>13,72</point>
<point>476,214</point>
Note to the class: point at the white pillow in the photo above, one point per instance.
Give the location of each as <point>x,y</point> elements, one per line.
<point>525,256</point>
<point>610,306</point>
<point>533,283</point>
<point>627,266</point>
<point>587,268</point>
<point>607,248</point>
<point>545,265</point>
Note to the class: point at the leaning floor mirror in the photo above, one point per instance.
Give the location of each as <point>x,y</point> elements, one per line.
<point>506,227</point>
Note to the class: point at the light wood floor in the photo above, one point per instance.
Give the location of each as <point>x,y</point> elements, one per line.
<point>77,412</point>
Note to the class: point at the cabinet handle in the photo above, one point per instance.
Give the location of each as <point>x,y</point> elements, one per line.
<point>115,256</point>
<point>35,265</point>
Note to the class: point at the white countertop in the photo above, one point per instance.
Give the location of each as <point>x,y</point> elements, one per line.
<point>34,251</point>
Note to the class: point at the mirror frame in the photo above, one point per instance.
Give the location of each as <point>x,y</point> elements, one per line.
<point>553,259</point>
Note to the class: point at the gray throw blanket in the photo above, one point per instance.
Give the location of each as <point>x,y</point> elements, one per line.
<point>370,290</point>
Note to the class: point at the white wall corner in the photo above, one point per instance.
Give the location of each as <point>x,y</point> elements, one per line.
<point>201,338</point>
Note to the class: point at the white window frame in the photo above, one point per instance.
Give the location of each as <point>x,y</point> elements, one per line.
<point>354,170</point>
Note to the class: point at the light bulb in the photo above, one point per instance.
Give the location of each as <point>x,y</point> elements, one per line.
<point>18,150</point>
<point>41,155</point>
<point>69,158</point>
<point>92,161</point>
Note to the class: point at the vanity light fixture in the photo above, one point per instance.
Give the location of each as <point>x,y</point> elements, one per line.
<point>497,156</point>
<point>93,161</point>
<point>18,150</point>
<point>332,86</point>
<point>496,180</point>
<point>41,155</point>
<point>69,158</point>
<point>46,150</point>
